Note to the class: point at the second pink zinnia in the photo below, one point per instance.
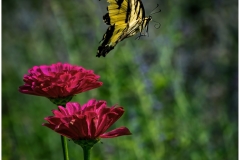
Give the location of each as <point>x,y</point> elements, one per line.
<point>89,121</point>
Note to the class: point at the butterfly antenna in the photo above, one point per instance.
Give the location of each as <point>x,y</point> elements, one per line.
<point>151,13</point>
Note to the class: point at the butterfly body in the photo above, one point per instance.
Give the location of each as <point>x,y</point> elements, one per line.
<point>125,19</point>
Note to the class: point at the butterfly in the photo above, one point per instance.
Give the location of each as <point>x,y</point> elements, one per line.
<point>125,19</point>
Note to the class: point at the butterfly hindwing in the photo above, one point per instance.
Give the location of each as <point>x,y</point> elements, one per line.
<point>104,48</point>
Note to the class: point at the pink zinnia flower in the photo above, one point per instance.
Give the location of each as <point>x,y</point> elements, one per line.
<point>86,122</point>
<point>59,81</point>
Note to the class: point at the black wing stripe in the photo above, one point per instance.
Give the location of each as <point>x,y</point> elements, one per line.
<point>119,2</point>
<point>128,11</point>
<point>106,18</point>
<point>103,49</point>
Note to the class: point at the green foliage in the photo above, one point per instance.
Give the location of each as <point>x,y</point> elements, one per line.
<point>178,86</point>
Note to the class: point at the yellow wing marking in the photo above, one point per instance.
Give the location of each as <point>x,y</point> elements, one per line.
<point>117,15</point>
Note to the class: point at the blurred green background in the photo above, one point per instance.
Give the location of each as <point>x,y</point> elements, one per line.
<point>178,86</point>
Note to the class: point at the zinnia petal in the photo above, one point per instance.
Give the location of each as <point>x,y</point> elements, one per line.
<point>116,133</point>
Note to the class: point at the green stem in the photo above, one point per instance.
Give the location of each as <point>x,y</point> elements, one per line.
<point>65,148</point>
<point>86,153</point>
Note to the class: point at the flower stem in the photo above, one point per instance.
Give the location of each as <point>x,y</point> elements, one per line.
<point>86,153</point>
<point>86,145</point>
<point>65,148</point>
